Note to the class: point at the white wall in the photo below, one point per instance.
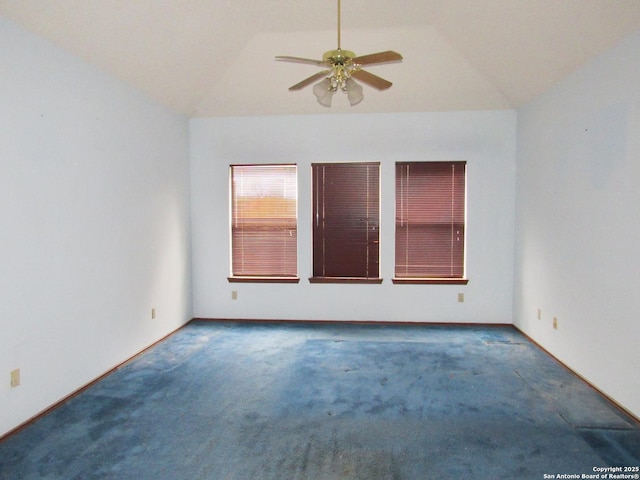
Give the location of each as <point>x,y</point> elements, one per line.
<point>486,140</point>
<point>578,232</point>
<point>94,204</point>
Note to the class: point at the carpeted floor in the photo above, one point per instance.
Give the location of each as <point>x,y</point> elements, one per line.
<point>284,401</point>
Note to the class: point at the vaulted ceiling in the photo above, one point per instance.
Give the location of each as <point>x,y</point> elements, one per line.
<point>216,57</point>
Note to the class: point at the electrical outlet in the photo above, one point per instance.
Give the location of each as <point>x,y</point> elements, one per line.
<point>555,323</point>
<point>539,314</point>
<point>460,297</point>
<point>15,377</point>
<point>153,313</point>
<point>234,294</point>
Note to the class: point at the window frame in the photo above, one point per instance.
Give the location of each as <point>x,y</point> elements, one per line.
<point>258,278</point>
<point>433,279</point>
<point>315,227</point>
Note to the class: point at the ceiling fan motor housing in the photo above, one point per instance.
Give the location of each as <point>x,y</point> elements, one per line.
<point>339,57</point>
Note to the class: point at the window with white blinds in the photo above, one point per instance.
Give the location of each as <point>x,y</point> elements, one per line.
<point>430,222</point>
<point>263,222</point>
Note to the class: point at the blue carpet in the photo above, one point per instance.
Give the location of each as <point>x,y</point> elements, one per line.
<point>239,401</point>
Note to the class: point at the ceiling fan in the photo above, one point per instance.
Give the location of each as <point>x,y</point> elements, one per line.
<point>342,67</point>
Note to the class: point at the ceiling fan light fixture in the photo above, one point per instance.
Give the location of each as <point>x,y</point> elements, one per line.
<point>354,91</point>
<point>324,91</point>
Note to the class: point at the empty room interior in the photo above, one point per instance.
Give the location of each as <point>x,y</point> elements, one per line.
<point>130,134</point>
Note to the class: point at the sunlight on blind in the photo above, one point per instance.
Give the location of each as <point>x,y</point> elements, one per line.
<point>264,220</point>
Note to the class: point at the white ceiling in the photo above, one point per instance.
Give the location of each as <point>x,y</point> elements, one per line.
<point>216,57</point>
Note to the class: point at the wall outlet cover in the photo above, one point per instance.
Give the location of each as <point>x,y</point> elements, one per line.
<point>15,377</point>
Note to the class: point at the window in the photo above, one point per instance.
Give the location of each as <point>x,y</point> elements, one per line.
<point>430,222</point>
<point>263,223</point>
<point>346,210</point>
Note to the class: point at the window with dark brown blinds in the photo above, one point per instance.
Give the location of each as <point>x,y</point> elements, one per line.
<point>430,220</point>
<point>264,220</point>
<point>346,211</point>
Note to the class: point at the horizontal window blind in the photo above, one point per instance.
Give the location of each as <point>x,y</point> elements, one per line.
<point>346,211</point>
<point>430,219</point>
<point>264,220</point>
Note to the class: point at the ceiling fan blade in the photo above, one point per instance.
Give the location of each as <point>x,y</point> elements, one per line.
<point>308,61</point>
<point>371,79</point>
<point>310,80</point>
<point>380,57</point>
